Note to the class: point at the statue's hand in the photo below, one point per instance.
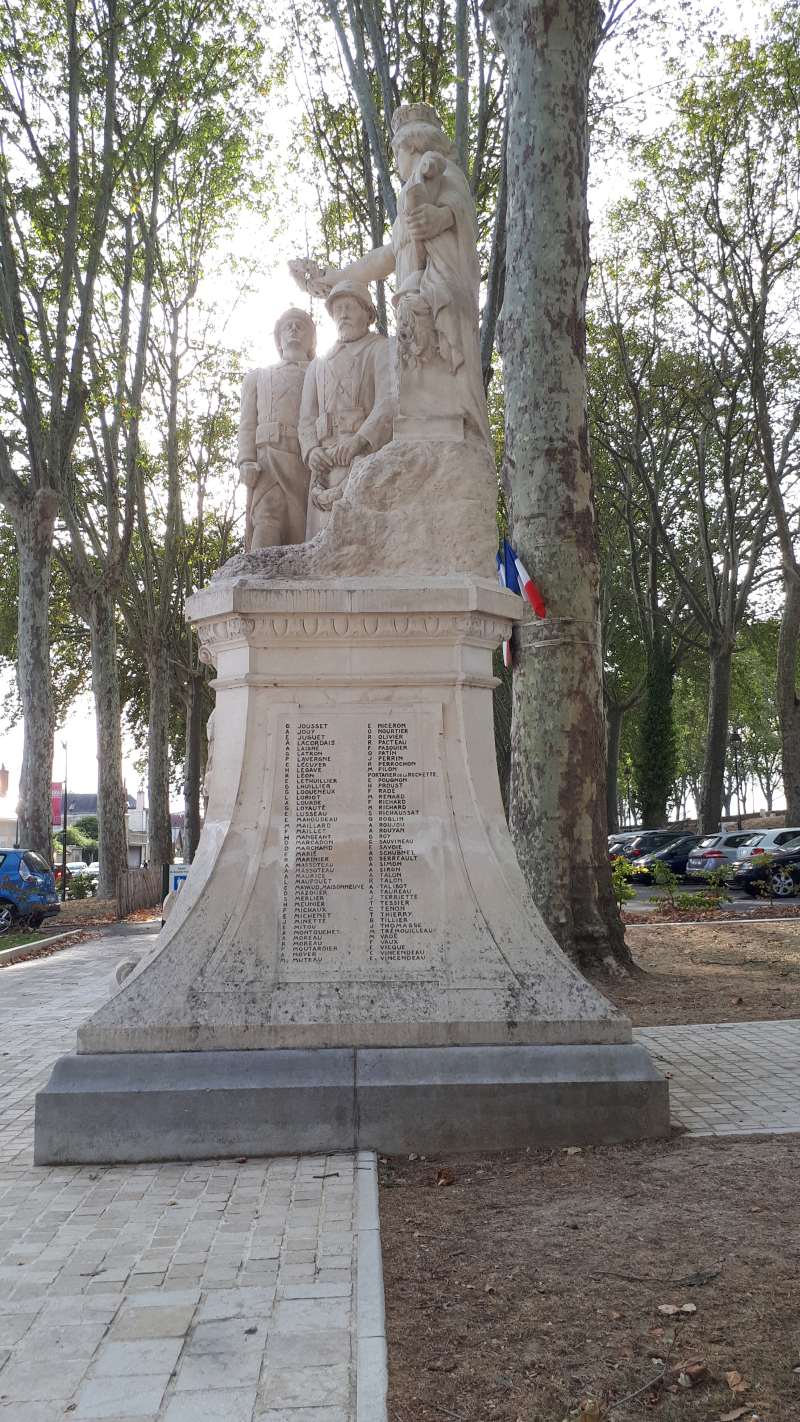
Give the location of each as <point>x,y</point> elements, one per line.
<point>248,475</point>
<point>320,461</point>
<point>345,452</point>
<point>313,278</point>
<point>428,221</point>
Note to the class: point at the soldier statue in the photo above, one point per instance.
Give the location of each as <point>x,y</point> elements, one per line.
<point>270,463</point>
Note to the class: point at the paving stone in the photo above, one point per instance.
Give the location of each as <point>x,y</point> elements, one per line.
<point>128,1292</point>
<point>233,1405</point>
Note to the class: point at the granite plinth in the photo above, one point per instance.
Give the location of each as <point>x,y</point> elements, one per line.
<point>195,1105</point>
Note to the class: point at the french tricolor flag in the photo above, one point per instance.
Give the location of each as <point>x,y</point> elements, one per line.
<point>515,576</point>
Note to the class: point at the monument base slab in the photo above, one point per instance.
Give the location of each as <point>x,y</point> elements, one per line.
<point>124,1107</point>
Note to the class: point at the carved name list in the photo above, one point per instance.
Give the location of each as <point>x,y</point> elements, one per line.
<point>360,872</point>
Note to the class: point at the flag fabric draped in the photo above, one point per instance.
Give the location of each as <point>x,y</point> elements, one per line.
<point>513,574</point>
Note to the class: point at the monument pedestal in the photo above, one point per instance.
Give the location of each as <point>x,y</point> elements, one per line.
<point>354,959</point>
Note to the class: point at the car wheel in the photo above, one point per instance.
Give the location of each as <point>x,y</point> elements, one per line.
<point>782,884</point>
<point>8,917</point>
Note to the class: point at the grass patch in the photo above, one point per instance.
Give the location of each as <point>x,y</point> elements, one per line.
<point>23,940</point>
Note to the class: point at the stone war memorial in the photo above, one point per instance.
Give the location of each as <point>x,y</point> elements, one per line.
<point>355,959</point>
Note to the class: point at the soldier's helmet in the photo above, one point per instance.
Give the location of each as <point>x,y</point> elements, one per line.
<point>359,290</point>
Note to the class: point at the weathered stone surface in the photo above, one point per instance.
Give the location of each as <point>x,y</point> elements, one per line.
<point>191,1105</point>
<point>413,508</point>
<point>355,883</point>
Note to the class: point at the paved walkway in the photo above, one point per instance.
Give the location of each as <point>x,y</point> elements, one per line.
<point>221,1291</point>
<point>730,1078</point>
<point>228,1291</point>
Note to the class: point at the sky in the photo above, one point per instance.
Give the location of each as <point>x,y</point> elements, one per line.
<point>249,322</point>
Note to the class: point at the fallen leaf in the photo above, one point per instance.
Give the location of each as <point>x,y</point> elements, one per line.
<point>590,1410</point>
<point>445,1176</point>
<point>692,1372</point>
<point>688,1308</point>
<point>736,1382</point>
<point>573,1150</point>
<point>735,1415</point>
<point>668,1309</point>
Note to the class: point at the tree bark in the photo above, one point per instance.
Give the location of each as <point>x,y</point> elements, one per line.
<point>34,519</point>
<point>194,749</point>
<point>111,807</point>
<point>615,715</point>
<point>558,805</point>
<point>719,696</point>
<point>787,698</point>
<point>160,831</point>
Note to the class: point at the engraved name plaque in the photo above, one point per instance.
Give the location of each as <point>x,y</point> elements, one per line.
<point>360,805</point>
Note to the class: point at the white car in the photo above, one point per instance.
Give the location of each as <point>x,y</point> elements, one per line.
<point>766,842</point>
<point>715,852</point>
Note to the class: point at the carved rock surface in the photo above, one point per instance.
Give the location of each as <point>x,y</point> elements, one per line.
<point>410,508</point>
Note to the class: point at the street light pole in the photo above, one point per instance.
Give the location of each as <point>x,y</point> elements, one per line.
<point>64,833</point>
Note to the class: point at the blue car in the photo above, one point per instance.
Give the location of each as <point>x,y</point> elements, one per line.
<point>27,889</point>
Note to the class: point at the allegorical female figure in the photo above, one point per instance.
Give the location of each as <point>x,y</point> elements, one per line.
<point>433,252</point>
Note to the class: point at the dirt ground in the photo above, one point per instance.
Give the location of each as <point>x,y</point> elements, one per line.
<point>529,1289</point>
<point>711,972</point>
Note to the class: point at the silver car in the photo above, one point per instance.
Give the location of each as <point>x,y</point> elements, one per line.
<point>715,852</point>
<point>766,842</point>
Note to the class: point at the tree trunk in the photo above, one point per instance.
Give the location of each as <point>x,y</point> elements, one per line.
<point>194,749</point>
<point>614,718</point>
<point>160,832</point>
<point>719,695</point>
<point>558,805</point>
<point>787,698</point>
<point>111,807</point>
<point>33,528</point>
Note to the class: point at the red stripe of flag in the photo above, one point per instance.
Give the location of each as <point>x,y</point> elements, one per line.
<point>529,588</point>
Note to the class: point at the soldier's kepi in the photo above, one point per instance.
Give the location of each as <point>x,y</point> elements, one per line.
<point>347,406</point>
<point>270,463</point>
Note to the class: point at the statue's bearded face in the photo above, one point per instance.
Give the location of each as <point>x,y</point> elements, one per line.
<point>296,340</point>
<point>352,320</point>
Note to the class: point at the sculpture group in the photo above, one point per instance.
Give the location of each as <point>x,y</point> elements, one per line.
<point>307,420</point>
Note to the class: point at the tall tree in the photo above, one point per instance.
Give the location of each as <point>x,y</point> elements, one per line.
<point>558,811</point>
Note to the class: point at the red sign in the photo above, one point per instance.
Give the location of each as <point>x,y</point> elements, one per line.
<point>56,802</point>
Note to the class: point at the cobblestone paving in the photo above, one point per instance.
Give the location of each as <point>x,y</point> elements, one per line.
<point>218,1291</point>
<point>730,1078</point>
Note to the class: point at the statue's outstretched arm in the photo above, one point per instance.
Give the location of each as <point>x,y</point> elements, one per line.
<point>320,281</point>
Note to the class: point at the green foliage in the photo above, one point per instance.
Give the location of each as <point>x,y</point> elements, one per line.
<point>654,758</point>
<point>80,886</point>
<point>664,878</point>
<point>622,871</point>
<point>88,825</point>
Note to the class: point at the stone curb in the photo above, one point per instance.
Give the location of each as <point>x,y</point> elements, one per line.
<point>29,950</point>
<point>371,1364</point>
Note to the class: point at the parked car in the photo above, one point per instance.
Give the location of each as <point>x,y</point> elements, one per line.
<point>674,855</point>
<point>618,841</point>
<point>715,851</point>
<point>774,876</point>
<point>767,842</point>
<point>648,842</point>
<point>27,889</point>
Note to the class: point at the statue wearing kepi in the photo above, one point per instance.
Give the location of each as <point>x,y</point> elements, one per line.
<point>346,409</point>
